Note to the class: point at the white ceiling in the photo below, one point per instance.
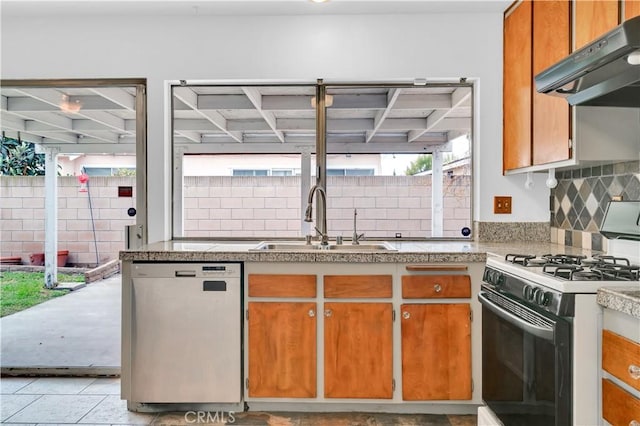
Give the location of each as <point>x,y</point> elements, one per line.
<point>244,7</point>
<point>241,118</point>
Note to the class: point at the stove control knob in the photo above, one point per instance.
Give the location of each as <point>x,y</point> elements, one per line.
<point>541,297</point>
<point>527,292</point>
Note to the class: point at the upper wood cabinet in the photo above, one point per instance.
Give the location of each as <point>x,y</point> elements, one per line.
<point>536,127</point>
<point>631,8</point>
<point>593,19</point>
<point>551,115</point>
<point>517,83</point>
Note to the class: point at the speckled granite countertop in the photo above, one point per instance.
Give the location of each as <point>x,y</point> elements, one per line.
<point>625,300</point>
<point>407,252</point>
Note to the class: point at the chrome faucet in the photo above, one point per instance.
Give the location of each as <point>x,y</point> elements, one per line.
<point>355,240</point>
<point>307,217</point>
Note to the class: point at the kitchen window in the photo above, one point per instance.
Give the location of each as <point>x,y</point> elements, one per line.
<point>397,155</point>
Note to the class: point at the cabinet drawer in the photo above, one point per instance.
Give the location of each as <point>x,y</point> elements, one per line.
<point>276,285</point>
<point>435,286</point>
<point>349,286</point>
<point>621,358</point>
<point>619,407</point>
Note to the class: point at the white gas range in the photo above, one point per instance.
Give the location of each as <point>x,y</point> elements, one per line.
<point>541,335</point>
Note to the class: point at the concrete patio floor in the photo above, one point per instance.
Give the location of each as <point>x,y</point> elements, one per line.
<point>89,401</point>
<point>78,333</point>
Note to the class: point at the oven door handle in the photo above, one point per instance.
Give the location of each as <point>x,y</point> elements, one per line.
<point>538,331</point>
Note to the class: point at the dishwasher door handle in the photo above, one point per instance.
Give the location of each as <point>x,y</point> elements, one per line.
<point>185,273</point>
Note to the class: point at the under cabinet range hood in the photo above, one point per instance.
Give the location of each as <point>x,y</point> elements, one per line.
<point>604,73</point>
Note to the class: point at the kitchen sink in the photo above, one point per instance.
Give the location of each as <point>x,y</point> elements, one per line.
<point>301,246</point>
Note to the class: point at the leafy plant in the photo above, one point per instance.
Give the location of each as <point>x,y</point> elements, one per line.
<point>419,165</point>
<point>19,158</point>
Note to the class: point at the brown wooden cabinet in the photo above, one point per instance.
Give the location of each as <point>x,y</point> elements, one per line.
<point>631,8</point>
<point>593,19</point>
<point>536,127</point>
<point>358,350</point>
<point>436,352</point>
<point>551,115</point>
<point>282,349</point>
<point>517,83</point>
<point>621,359</point>
<point>282,336</point>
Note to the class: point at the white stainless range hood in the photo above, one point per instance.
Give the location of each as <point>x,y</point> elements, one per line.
<point>604,73</point>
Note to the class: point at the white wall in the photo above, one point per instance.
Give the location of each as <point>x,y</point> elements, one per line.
<point>300,48</point>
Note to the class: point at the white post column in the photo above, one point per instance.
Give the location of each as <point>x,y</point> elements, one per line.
<point>178,192</point>
<point>305,186</point>
<point>51,218</point>
<point>437,199</point>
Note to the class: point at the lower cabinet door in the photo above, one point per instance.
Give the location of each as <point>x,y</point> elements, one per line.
<point>619,407</point>
<point>358,350</point>
<point>436,352</point>
<point>282,349</point>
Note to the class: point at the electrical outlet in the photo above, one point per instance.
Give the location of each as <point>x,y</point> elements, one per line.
<point>502,205</point>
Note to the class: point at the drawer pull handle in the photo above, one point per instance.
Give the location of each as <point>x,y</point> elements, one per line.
<point>634,372</point>
<point>312,313</point>
<point>406,315</point>
<point>437,288</point>
<point>634,423</point>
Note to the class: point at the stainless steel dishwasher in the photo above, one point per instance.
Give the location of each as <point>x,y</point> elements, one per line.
<point>186,333</point>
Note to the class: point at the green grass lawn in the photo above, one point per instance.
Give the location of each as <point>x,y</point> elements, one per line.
<point>22,290</point>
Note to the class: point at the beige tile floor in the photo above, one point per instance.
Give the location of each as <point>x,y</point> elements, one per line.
<point>89,401</point>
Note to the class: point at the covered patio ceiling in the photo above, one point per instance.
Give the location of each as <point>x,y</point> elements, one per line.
<point>236,119</point>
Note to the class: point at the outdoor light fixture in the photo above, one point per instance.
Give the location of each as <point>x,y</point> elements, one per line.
<point>328,101</point>
<point>67,105</point>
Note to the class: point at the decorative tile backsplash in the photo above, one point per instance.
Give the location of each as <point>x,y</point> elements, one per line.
<point>580,200</point>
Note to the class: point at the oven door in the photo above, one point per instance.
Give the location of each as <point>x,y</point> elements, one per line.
<point>526,362</point>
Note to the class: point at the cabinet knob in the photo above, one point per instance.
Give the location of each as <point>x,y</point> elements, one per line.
<point>634,423</point>
<point>634,372</point>
<point>327,313</point>
<point>437,288</point>
<point>312,313</point>
<point>406,315</point>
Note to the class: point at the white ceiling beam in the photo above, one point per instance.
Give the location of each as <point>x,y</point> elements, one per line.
<point>13,123</point>
<point>47,118</point>
<point>250,125</point>
<point>207,102</point>
<point>26,104</point>
<point>458,97</point>
<point>198,124</point>
<point>29,137</point>
<point>392,97</point>
<point>287,102</point>
<point>255,97</point>
<point>94,148</point>
<point>95,102</point>
<point>367,101</point>
<point>192,136</point>
<point>422,102</point>
<point>309,124</point>
<point>190,98</point>
<point>232,147</point>
<point>118,96</point>
<point>452,123</point>
<point>107,119</point>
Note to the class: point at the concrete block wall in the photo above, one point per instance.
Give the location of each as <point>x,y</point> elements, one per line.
<point>224,206</point>
<point>241,206</point>
<point>22,217</point>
